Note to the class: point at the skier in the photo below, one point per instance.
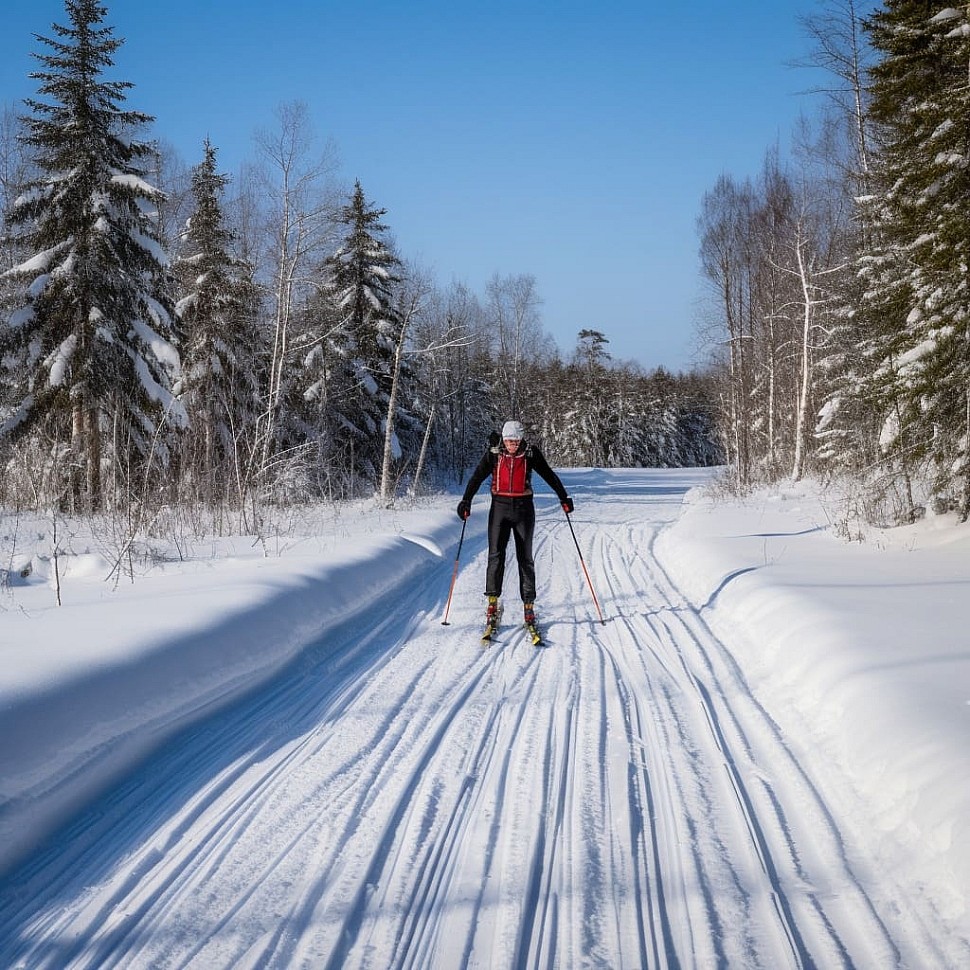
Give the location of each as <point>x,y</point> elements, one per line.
<point>511,462</point>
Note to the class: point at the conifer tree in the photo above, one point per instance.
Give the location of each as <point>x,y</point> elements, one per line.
<point>89,348</point>
<point>217,325</point>
<point>362,276</point>
<point>919,270</point>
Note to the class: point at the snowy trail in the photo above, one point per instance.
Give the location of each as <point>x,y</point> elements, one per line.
<point>405,798</point>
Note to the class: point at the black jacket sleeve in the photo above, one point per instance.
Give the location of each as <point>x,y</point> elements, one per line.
<point>540,465</point>
<point>482,470</point>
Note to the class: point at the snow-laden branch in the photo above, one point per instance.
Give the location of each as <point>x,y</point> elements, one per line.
<point>59,360</point>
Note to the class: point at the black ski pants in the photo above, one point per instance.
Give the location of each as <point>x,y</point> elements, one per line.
<point>515,517</point>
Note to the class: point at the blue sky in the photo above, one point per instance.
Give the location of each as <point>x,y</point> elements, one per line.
<point>570,140</point>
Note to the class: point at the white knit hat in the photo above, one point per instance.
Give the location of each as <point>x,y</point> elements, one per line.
<point>514,430</point>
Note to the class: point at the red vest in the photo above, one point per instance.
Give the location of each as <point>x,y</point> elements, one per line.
<point>511,475</point>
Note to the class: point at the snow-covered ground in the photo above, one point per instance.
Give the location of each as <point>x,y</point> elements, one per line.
<point>243,760</point>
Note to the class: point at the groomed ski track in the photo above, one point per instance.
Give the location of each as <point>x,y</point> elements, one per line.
<point>404,797</point>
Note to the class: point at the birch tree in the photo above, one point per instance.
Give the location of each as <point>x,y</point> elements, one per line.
<point>724,226</point>
<point>512,305</point>
<point>300,226</point>
<point>422,340</point>
<point>837,31</point>
<point>455,377</point>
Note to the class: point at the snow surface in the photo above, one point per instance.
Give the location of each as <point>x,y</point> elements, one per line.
<point>286,760</point>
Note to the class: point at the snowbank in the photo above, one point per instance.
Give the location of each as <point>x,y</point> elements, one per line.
<point>860,654</point>
<point>91,688</point>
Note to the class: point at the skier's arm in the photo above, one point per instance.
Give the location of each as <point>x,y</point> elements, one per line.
<point>540,465</point>
<point>482,470</point>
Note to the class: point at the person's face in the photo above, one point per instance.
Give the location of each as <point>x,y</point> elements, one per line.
<point>512,445</point>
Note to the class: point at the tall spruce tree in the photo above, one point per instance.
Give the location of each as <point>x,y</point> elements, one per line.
<point>918,273</point>
<point>88,352</point>
<point>362,276</point>
<point>217,323</point>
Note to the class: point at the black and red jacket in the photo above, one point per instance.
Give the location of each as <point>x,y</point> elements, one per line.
<point>512,473</point>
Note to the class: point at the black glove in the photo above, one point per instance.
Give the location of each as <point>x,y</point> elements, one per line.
<point>567,505</point>
<point>464,510</point>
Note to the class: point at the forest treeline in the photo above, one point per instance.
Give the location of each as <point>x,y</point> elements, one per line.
<point>171,335</point>
<point>838,277</point>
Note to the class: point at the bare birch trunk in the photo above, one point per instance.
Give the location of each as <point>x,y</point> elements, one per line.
<point>424,452</point>
<point>805,382</point>
<point>94,458</point>
<point>385,491</point>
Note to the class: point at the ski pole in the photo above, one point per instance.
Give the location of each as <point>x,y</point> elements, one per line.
<point>454,574</point>
<point>585,570</point>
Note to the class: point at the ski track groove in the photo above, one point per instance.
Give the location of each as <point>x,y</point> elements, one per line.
<point>746,722</point>
<point>615,799</point>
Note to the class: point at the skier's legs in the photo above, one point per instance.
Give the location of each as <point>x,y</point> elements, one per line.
<point>499,527</point>
<point>524,530</point>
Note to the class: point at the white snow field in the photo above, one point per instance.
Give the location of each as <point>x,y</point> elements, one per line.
<point>758,761</point>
